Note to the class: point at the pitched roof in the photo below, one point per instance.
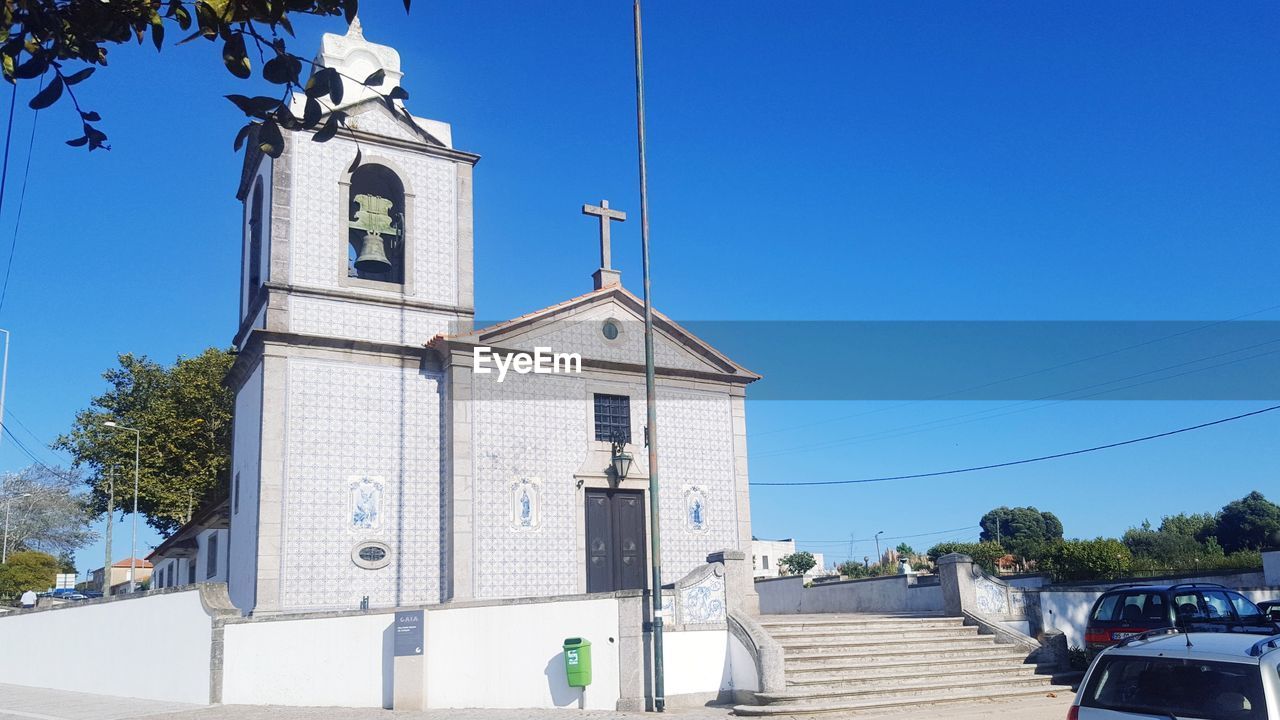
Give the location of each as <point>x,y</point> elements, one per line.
<point>125,563</point>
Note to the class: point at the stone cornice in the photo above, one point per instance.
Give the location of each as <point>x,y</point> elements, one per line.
<point>259,341</point>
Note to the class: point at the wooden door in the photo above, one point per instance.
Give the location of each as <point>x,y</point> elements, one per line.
<point>615,541</point>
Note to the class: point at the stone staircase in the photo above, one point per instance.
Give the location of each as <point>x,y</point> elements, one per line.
<point>854,664</point>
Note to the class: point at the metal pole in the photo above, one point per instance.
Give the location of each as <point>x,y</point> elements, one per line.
<point>4,551</point>
<point>133,543</point>
<point>111,511</point>
<point>655,525</point>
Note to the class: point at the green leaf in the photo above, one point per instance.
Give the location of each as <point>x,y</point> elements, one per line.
<point>157,35</point>
<point>317,84</point>
<point>78,76</point>
<point>270,139</point>
<point>376,78</point>
<point>335,86</point>
<point>281,70</point>
<point>242,136</point>
<point>182,16</point>
<point>350,8</point>
<point>49,95</point>
<point>32,68</point>
<point>90,116</point>
<point>79,142</point>
<point>235,57</point>
<point>311,113</point>
<point>258,106</point>
<point>330,128</point>
<point>406,5</point>
<point>398,93</point>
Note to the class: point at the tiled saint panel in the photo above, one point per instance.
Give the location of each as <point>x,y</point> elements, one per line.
<point>583,334</point>
<point>359,321</point>
<point>527,426</point>
<point>695,446</point>
<point>317,250</point>
<point>345,421</point>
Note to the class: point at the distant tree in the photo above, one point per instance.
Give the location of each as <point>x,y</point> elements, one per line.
<point>1098,559</point>
<point>184,414</point>
<point>853,569</point>
<point>1250,523</point>
<point>28,570</point>
<point>1200,526</point>
<point>797,563</point>
<point>49,510</point>
<point>1023,531</point>
<point>985,554</point>
<point>58,43</point>
<point>905,550</point>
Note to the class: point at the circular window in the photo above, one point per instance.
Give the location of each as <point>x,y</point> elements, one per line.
<point>371,555</point>
<point>610,329</point>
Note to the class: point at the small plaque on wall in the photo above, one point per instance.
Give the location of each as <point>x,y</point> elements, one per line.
<point>408,633</point>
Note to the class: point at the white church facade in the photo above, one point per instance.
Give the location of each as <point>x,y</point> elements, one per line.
<point>375,461</point>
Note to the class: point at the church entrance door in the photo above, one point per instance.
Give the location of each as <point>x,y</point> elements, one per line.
<point>615,541</point>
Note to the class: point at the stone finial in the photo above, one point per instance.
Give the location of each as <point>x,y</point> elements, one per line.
<point>356,30</point>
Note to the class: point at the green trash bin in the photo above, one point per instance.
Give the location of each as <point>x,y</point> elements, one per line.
<point>577,661</point>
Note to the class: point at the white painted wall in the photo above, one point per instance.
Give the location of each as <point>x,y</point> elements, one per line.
<point>1271,568</point>
<point>340,661</point>
<point>58,648</point>
<point>518,648</point>
<point>220,552</point>
<point>697,662</point>
<point>245,457</point>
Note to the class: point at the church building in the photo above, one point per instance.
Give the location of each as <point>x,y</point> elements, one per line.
<point>387,452</point>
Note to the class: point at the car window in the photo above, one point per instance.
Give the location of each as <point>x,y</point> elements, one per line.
<point>1106,608</point>
<point>1144,608</point>
<point>1244,606</point>
<point>1176,686</point>
<point>1216,605</point>
<point>1187,604</point>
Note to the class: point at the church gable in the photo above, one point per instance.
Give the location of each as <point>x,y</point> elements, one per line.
<point>608,325</point>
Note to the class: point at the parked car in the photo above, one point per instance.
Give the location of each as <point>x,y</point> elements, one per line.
<point>1128,610</point>
<point>91,593</point>
<point>1168,673</point>
<point>68,594</point>
<point>1271,608</point>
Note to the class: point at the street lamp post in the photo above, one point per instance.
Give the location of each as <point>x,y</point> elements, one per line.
<point>133,543</point>
<point>4,547</point>
<point>879,558</point>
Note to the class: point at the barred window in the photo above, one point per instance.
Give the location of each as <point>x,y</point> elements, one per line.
<point>613,418</point>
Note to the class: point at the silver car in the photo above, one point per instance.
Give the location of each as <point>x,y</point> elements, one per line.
<point>1174,675</point>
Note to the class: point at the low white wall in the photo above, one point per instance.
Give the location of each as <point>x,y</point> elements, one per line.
<point>893,593</point>
<point>61,648</point>
<point>696,662</point>
<point>342,661</point>
<point>509,655</point>
<point>1271,568</point>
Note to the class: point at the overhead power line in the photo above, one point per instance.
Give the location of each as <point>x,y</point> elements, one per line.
<point>1024,461</point>
<point>846,541</point>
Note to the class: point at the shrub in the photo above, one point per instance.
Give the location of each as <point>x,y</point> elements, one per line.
<point>1097,559</point>
<point>985,554</point>
<point>797,563</point>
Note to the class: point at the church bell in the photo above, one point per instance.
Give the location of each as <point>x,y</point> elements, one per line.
<point>373,255</point>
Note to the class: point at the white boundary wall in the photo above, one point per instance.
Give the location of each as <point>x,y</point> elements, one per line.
<point>706,662</point>
<point>61,648</point>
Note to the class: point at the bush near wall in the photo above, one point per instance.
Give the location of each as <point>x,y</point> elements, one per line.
<point>1097,559</point>
<point>985,554</point>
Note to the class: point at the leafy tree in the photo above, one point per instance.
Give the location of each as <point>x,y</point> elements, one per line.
<point>854,570</point>
<point>798,563</point>
<point>985,554</point>
<point>28,570</point>
<point>1023,531</point>
<point>60,43</point>
<point>1200,526</point>
<point>184,415</point>
<point>905,550</point>
<point>49,511</point>
<point>1098,559</point>
<point>1250,523</point>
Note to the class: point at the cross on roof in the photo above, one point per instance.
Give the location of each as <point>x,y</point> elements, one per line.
<point>606,214</point>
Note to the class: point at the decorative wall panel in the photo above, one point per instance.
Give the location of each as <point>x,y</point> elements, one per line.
<point>360,321</point>
<point>361,439</point>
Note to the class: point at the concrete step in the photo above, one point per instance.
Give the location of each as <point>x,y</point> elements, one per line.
<point>855,619</point>
<point>891,689</point>
<point>831,677</point>
<point>836,637</point>
<point>878,705</point>
<point>856,647</point>
<point>880,655</point>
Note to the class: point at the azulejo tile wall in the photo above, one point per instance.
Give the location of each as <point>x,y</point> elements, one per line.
<point>696,449</point>
<point>528,426</point>
<point>361,427</point>
<point>583,334</point>
<point>316,248</point>
<point>377,323</point>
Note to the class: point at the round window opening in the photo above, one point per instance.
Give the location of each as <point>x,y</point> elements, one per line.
<point>371,555</point>
<point>610,329</point>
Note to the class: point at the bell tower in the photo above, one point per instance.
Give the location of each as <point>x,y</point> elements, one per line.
<point>356,252</point>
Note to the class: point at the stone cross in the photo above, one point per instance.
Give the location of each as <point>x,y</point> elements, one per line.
<point>606,215</point>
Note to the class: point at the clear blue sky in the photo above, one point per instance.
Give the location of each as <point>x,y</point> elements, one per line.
<point>1003,161</point>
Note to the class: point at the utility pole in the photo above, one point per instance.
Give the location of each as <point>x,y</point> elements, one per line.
<point>878,556</point>
<point>651,395</point>
<point>137,452</point>
<point>111,511</point>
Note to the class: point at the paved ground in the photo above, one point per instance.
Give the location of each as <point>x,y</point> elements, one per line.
<point>24,703</point>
